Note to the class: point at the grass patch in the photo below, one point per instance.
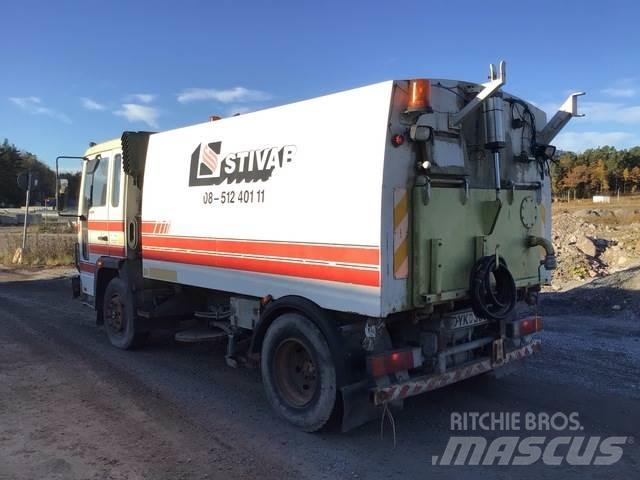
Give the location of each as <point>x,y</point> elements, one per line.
<point>43,249</point>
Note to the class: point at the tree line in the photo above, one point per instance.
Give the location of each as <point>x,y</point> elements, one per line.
<point>603,170</point>
<point>14,162</point>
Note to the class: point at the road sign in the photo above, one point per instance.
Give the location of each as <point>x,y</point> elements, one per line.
<point>23,181</point>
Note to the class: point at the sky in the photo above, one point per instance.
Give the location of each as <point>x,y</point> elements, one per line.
<point>81,71</point>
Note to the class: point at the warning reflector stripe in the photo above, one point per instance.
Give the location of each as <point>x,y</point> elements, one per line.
<point>400,233</point>
<point>416,386</point>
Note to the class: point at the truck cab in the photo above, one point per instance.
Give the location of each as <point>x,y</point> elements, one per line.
<point>101,207</point>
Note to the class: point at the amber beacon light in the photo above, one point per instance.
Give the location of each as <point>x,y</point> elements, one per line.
<point>419,95</point>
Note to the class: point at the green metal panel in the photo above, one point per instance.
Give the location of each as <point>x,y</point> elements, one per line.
<point>451,231</point>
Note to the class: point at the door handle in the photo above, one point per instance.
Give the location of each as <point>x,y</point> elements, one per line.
<point>104,238</point>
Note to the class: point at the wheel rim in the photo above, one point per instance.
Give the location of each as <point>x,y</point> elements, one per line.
<point>295,372</point>
<point>116,320</point>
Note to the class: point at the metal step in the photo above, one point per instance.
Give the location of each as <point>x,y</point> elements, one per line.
<point>201,334</point>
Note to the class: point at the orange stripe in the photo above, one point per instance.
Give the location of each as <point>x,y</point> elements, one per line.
<point>317,272</point>
<point>99,249</point>
<point>327,253</point>
<point>103,249</point>
<point>108,225</point>
<point>151,227</point>
<point>87,267</point>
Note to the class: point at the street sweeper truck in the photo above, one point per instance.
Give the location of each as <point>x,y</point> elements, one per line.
<point>359,248</point>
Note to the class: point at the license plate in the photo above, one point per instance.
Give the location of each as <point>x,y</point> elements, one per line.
<point>463,320</point>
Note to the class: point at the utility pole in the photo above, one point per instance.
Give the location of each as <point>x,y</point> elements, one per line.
<point>26,215</point>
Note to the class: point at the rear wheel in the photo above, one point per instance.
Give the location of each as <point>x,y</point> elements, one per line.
<point>119,317</point>
<point>298,372</point>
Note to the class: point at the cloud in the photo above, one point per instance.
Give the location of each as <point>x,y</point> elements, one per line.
<point>611,112</point>
<point>620,92</point>
<point>622,88</point>
<point>139,113</point>
<point>236,94</point>
<point>90,104</point>
<point>580,141</point>
<point>600,112</point>
<point>141,97</point>
<point>34,106</point>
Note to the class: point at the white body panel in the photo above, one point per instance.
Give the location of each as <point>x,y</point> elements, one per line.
<point>313,228</point>
<point>309,199</point>
<point>322,224</point>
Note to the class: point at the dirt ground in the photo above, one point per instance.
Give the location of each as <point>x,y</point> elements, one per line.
<point>73,407</point>
<point>593,240</point>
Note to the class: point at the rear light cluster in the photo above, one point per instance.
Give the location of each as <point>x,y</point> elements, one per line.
<point>523,327</point>
<point>385,363</point>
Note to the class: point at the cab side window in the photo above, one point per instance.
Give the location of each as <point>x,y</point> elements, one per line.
<point>99,190</point>
<point>115,180</point>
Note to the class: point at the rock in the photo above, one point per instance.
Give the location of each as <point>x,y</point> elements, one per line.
<point>601,243</point>
<point>586,246</point>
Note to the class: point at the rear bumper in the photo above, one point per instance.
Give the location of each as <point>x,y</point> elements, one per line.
<point>418,385</point>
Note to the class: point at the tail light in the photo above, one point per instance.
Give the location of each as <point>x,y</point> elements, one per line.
<point>397,140</point>
<point>523,327</point>
<point>419,95</point>
<point>385,363</point>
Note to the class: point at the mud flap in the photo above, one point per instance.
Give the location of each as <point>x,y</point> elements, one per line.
<point>75,286</point>
<point>357,407</point>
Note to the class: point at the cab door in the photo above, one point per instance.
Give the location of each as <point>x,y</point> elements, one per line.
<point>94,228</point>
<point>98,216</point>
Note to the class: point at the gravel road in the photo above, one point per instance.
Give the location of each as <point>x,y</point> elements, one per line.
<point>71,406</point>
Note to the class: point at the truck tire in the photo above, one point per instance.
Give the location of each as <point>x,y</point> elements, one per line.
<point>119,317</point>
<point>298,372</point>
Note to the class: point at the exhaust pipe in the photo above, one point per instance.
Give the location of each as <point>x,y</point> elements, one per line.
<point>549,261</point>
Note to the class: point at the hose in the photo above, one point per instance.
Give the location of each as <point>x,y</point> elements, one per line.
<point>493,302</point>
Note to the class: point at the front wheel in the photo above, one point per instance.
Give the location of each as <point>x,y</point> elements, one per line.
<point>119,317</point>
<point>298,372</point>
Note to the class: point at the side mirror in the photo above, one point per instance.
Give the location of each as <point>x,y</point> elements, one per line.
<point>68,180</point>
